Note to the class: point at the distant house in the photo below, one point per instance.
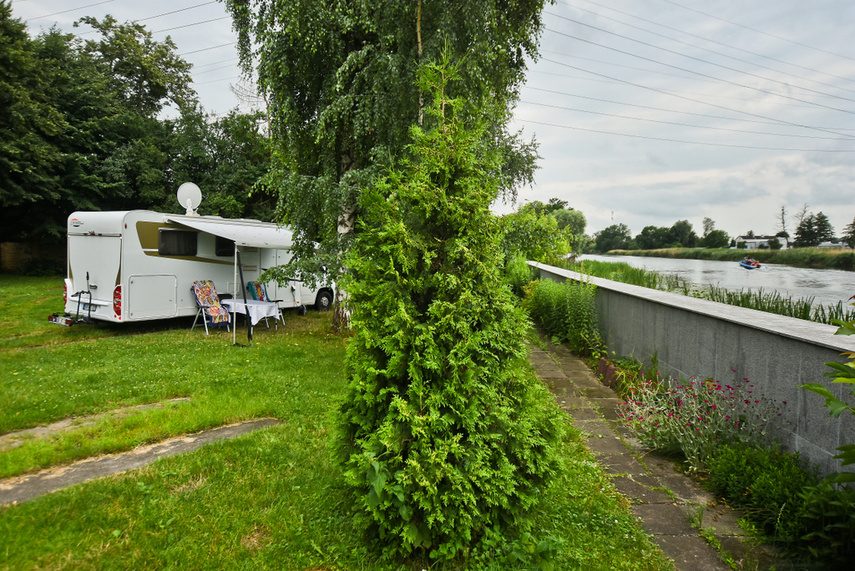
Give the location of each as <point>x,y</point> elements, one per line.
<point>760,242</point>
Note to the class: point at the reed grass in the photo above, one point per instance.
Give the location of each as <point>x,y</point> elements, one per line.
<point>768,301</point>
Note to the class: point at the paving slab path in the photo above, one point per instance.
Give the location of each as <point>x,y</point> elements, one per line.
<point>665,500</point>
<point>27,487</point>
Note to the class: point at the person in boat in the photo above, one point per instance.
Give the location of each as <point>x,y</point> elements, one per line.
<point>751,262</point>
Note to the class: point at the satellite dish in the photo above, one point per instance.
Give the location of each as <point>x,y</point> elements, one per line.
<point>189,196</point>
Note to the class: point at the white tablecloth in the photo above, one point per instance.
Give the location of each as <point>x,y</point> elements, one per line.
<point>258,310</point>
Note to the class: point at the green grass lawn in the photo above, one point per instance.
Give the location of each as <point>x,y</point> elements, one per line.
<point>271,499</point>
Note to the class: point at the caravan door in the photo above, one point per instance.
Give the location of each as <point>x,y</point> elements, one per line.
<point>94,263</point>
<point>288,293</point>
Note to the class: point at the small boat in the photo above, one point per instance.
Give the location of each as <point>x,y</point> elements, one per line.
<point>749,264</point>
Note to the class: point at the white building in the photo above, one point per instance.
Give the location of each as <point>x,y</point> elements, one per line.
<point>759,242</point>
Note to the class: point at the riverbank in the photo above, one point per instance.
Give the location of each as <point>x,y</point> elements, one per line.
<point>818,258</point>
<point>819,295</point>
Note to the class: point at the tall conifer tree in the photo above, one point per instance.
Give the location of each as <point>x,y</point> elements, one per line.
<point>445,437</point>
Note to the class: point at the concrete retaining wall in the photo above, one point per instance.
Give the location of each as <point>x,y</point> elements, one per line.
<point>699,338</point>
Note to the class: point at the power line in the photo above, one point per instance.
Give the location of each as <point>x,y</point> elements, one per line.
<point>176,11</point>
<point>761,90</point>
<point>207,49</point>
<point>678,124</point>
<point>651,108</point>
<point>661,73</point>
<point>191,25</point>
<point>718,53</point>
<point>712,41</point>
<point>69,10</point>
<point>662,91</point>
<point>760,31</point>
<point>705,143</point>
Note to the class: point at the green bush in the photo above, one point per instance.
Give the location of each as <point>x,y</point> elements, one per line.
<point>809,517</point>
<point>828,514</point>
<point>42,267</point>
<point>518,274</point>
<point>766,482</point>
<point>446,438</point>
<point>566,311</point>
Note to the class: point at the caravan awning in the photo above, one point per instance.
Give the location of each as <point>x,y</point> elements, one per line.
<point>242,232</point>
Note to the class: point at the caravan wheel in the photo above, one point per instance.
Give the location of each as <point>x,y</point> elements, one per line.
<point>324,300</point>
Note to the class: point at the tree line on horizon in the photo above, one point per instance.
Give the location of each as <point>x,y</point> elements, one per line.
<point>812,230</point>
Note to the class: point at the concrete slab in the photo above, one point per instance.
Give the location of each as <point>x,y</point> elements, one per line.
<point>543,361</point>
<point>690,553</point>
<point>623,464</point>
<point>664,519</point>
<point>550,374</point>
<point>638,493</point>
<point>686,490</point>
<point>23,488</point>
<point>724,519</point>
<point>600,392</point>
<point>605,446</point>
<point>582,413</point>
<point>608,406</point>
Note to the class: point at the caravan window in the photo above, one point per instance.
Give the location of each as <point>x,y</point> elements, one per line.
<point>224,247</point>
<point>176,242</point>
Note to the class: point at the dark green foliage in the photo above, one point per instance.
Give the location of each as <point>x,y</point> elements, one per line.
<point>445,437</point>
<point>813,230</point>
<point>566,311</point>
<point>83,132</point>
<point>340,81</point>
<point>764,481</point>
<point>828,516</point>
<point>28,125</point>
<point>614,237</point>
<point>518,274</point>
<point>42,267</point>
<point>811,518</point>
<point>680,235</point>
<point>716,239</point>
<point>848,236</point>
<point>534,236</point>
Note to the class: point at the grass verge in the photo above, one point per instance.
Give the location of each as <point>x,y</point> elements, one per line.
<point>271,499</point>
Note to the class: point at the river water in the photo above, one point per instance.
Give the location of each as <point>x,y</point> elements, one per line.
<point>827,287</point>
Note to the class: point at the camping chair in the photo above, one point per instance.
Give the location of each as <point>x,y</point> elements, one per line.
<point>212,312</point>
<point>258,292</point>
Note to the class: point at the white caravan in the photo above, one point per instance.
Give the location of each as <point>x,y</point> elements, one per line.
<point>140,265</point>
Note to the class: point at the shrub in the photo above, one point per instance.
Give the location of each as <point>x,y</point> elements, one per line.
<point>766,482</point>
<point>828,513</point>
<point>518,274</point>
<point>42,267</point>
<point>445,437</point>
<point>693,418</point>
<point>783,496</point>
<point>567,312</point>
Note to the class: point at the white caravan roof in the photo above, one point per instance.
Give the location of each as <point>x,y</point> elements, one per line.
<point>242,232</point>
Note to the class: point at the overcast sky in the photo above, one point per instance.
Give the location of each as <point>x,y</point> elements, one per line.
<point>647,111</point>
